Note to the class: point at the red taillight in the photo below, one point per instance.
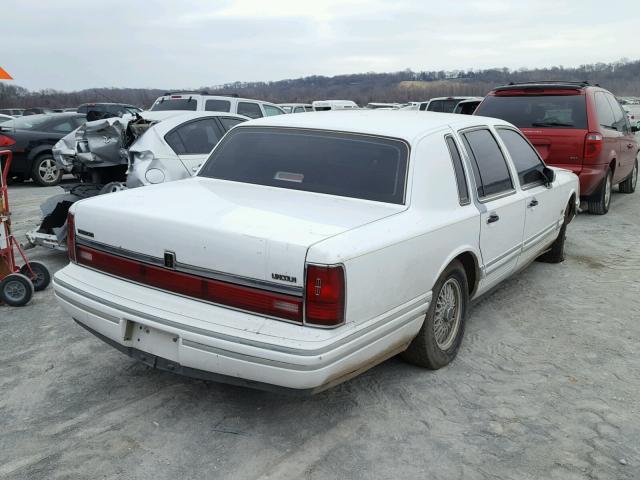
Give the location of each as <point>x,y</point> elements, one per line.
<point>288,307</point>
<point>71,237</point>
<point>324,299</point>
<point>6,141</point>
<point>592,145</point>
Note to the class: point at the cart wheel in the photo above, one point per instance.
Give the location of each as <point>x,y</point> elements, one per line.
<point>42,276</point>
<point>16,290</point>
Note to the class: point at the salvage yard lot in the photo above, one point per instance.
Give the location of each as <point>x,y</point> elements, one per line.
<point>545,386</point>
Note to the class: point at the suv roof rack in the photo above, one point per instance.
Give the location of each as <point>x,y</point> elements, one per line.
<point>201,92</point>
<point>550,84</point>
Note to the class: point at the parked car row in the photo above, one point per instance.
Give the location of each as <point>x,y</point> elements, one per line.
<point>309,248</point>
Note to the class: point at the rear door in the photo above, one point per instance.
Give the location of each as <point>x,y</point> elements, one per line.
<point>501,205</point>
<point>627,147</point>
<point>611,137</point>
<point>542,205</point>
<point>193,141</point>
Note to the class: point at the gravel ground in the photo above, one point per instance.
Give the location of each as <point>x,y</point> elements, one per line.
<point>546,386</point>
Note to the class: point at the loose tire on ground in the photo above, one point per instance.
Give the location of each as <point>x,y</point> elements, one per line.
<point>629,184</point>
<point>16,290</point>
<point>430,348</point>
<point>45,172</point>
<point>599,203</point>
<point>42,276</point>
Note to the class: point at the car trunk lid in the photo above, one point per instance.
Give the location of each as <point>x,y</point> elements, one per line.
<point>241,231</point>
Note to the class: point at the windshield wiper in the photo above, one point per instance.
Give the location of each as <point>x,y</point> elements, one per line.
<point>552,124</point>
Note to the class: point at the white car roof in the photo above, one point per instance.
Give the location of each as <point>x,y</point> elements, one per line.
<point>404,124</point>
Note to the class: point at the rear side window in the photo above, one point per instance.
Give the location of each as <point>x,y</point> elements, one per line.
<point>603,109</point>
<point>249,109</point>
<point>228,123</point>
<point>524,157</point>
<point>194,138</point>
<point>489,165</point>
<point>175,104</point>
<point>217,106</point>
<point>619,117</point>
<point>461,179</point>
<point>270,110</point>
<point>347,165</point>
<point>537,111</point>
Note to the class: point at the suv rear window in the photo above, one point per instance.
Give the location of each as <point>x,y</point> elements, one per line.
<point>346,165</point>
<point>445,106</point>
<point>175,104</point>
<point>537,111</point>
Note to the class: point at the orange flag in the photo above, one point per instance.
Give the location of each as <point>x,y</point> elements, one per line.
<point>4,75</point>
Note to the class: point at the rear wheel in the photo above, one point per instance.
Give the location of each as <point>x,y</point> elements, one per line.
<point>629,184</point>
<point>45,172</point>
<point>439,339</point>
<point>16,290</point>
<point>41,276</point>
<point>599,203</point>
<point>556,253</point>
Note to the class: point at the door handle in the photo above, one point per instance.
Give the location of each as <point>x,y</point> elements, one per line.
<point>493,218</point>
<point>533,203</point>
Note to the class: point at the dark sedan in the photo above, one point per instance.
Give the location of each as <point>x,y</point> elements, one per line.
<point>31,139</point>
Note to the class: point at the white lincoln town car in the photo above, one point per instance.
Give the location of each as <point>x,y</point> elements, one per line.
<point>309,248</point>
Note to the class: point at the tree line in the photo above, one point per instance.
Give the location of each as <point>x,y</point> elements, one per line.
<point>620,77</point>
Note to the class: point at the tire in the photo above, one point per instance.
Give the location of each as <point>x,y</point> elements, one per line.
<point>556,253</point>
<point>434,349</point>
<point>16,290</point>
<point>45,172</point>
<point>600,202</point>
<point>629,183</point>
<point>42,276</point>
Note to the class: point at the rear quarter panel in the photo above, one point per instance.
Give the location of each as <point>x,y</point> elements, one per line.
<point>396,261</point>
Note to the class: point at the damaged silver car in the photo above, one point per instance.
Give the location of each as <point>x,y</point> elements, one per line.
<point>113,154</point>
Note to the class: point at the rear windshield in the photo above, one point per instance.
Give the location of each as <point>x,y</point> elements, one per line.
<point>347,165</point>
<point>175,104</point>
<point>542,111</point>
<point>445,106</point>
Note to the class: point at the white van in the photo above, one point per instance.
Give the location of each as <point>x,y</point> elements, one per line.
<point>202,101</point>
<point>322,105</point>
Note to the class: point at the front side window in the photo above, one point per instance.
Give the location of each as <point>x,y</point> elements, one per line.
<point>249,109</point>
<point>194,138</point>
<point>524,157</point>
<point>190,104</point>
<point>489,165</point>
<point>217,106</point>
<point>537,111</point>
<point>461,179</point>
<point>270,110</point>
<point>347,165</point>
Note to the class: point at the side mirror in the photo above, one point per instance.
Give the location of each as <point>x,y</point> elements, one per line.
<point>635,128</point>
<point>549,175</point>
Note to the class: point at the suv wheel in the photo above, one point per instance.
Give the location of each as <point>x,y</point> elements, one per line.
<point>45,172</point>
<point>629,184</point>
<point>599,203</point>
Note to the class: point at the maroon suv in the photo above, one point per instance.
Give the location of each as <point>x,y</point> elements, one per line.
<point>576,126</point>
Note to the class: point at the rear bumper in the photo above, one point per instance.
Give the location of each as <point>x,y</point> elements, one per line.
<point>194,338</point>
<point>591,176</point>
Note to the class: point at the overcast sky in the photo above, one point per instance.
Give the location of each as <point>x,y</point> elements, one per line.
<point>75,44</point>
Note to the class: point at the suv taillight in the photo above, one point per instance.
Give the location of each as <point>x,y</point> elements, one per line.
<point>6,141</point>
<point>592,145</point>
<point>71,237</point>
<point>324,295</point>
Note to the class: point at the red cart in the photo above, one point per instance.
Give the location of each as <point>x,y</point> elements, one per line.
<point>17,284</point>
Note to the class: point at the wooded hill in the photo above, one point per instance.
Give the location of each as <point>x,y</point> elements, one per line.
<point>622,78</point>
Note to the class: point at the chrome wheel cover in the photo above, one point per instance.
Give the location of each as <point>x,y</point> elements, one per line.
<point>447,314</point>
<point>48,170</point>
